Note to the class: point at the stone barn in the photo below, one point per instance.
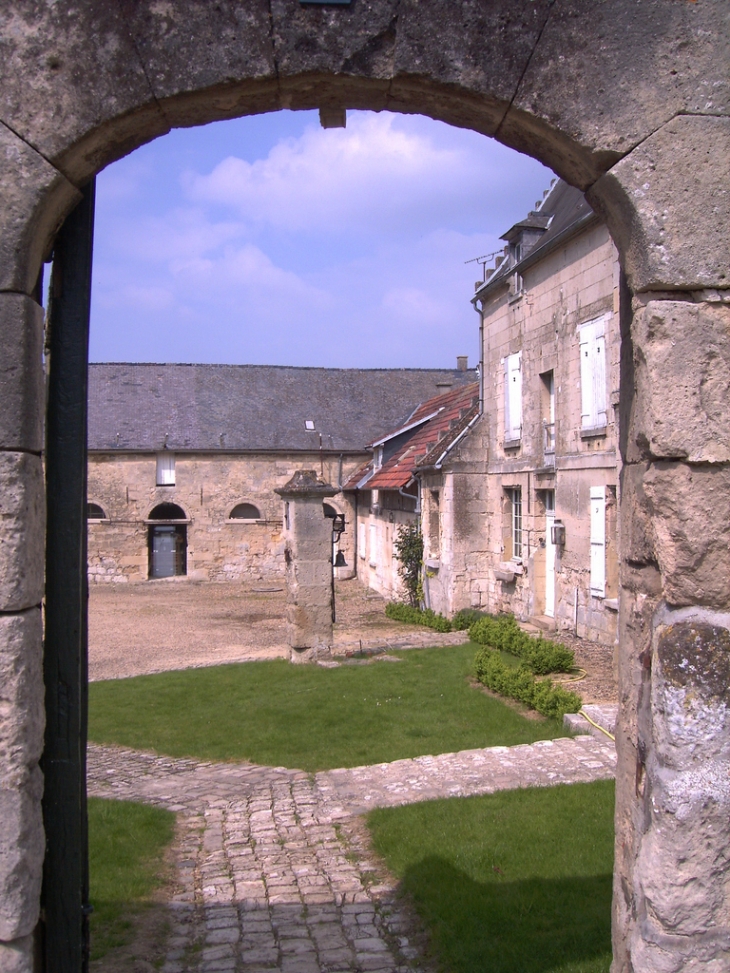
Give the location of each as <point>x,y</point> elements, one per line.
<point>184,460</point>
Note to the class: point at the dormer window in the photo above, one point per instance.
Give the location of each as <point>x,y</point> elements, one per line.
<point>378,457</point>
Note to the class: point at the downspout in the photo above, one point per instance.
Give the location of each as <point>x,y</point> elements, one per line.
<point>481,354</point>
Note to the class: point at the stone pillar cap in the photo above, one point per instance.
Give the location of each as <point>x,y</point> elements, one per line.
<point>306,483</point>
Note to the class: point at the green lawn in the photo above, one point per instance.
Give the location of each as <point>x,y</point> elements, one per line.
<point>516,882</point>
<point>127,843</point>
<point>310,717</point>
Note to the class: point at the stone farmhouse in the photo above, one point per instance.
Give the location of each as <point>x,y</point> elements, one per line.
<point>184,460</point>
<point>551,349</point>
<point>387,490</point>
<point>515,479</point>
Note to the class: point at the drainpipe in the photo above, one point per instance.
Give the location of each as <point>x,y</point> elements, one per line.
<point>481,355</point>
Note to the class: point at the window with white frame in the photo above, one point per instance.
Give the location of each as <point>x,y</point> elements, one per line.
<point>513,397</point>
<point>513,548</point>
<point>166,469</point>
<point>593,397</point>
<point>598,541</point>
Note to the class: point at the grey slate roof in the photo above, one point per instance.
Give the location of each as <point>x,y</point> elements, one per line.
<point>564,211</point>
<point>253,407</point>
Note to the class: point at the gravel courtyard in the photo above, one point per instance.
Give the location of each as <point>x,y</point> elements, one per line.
<point>181,624</point>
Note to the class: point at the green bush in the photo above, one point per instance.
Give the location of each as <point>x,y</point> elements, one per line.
<point>540,655</point>
<point>520,684</point>
<point>465,619</point>
<point>417,616</point>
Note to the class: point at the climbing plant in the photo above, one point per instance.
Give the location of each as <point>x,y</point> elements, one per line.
<point>409,553</point>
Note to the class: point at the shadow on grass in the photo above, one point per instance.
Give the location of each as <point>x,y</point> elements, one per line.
<point>528,926</point>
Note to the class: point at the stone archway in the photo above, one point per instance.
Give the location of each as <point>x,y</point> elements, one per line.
<point>629,102</point>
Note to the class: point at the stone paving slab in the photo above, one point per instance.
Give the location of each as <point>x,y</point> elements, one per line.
<point>272,871</point>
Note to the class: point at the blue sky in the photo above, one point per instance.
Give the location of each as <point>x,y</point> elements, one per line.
<point>268,240</point>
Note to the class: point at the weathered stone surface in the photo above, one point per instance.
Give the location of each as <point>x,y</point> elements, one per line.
<point>683,860</point>
<point>21,373</point>
<point>18,956</point>
<point>66,71</point>
<point>36,198</point>
<point>595,80</point>
<point>355,44</point>
<point>690,510</point>
<point>22,518</point>
<point>637,527</point>
<point>482,49</point>
<point>682,377</point>
<point>21,856</point>
<point>223,49</point>
<point>672,239</point>
<point>22,716</point>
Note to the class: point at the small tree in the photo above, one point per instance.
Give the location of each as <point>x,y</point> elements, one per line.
<point>409,552</point>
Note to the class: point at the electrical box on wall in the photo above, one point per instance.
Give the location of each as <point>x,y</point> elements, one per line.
<point>557,534</point>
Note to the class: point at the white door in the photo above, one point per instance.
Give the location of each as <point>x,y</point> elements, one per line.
<point>549,554</point>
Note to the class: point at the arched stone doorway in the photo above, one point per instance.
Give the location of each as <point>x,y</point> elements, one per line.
<point>167,541</point>
<point>627,101</point>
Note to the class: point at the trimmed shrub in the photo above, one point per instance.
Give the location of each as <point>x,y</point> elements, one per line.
<point>519,683</point>
<point>540,655</point>
<point>465,619</point>
<point>417,616</point>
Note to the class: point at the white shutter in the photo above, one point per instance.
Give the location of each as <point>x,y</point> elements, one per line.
<point>598,541</point>
<point>593,375</point>
<point>361,539</point>
<point>165,469</point>
<point>373,545</point>
<point>513,396</point>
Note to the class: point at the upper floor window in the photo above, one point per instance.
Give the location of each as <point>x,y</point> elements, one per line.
<point>593,374</point>
<point>513,397</point>
<point>165,469</point>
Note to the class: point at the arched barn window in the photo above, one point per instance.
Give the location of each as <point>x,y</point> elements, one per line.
<point>329,511</point>
<point>168,541</point>
<point>245,511</point>
<point>94,512</point>
<point>168,511</point>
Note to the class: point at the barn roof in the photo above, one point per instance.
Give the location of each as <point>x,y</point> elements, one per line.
<point>136,407</point>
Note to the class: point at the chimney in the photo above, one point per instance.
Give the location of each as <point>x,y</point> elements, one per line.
<point>462,362</point>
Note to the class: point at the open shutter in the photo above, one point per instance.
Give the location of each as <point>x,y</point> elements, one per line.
<point>373,560</point>
<point>513,396</point>
<point>361,539</point>
<point>598,541</point>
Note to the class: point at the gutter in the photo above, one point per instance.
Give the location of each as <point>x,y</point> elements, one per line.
<point>437,465</point>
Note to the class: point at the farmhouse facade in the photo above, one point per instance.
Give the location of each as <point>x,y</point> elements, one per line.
<point>551,354</point>
<point>184,460</point>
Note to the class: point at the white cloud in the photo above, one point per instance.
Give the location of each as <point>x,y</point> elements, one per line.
<point>382,173</point>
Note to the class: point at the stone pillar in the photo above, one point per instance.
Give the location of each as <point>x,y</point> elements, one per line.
<point>668,206</point>
<point>308,555</point>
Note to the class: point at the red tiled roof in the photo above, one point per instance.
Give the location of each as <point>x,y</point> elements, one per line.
<point>454,410</point>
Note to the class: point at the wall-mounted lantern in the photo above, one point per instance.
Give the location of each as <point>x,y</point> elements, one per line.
<point>557,533</point>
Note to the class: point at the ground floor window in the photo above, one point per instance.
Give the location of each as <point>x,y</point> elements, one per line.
<point>513,547</point>
<point>168,550</point>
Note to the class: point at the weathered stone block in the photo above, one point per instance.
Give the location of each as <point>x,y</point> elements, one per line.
<point>637,527</point>
<point>36,198</point>
<point>22,518</point>
<point>592,79</point>
<point>682,378</point>
<point>66,70</point>
<point>22,716</point>
<point>672,240</point>
<point>223,49</point>
<point>21,373</point>
<point>18,956</point>
<point>21,857</point>
<point>480,48</point>
<point>690,511</point>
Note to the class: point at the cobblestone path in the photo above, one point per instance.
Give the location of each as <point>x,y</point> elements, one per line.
<point>273,870</point>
